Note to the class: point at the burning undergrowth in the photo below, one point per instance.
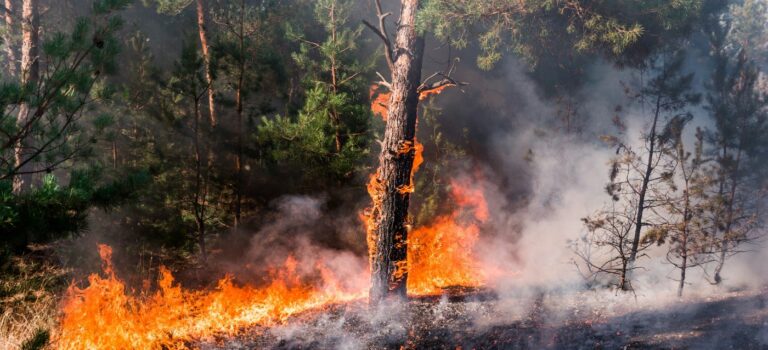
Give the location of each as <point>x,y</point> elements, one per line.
<point>291,281</point>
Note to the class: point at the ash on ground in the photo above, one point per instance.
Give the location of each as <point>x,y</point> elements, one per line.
<point>735,320</point>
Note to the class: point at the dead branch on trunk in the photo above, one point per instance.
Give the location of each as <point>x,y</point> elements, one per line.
<point>381,31</point>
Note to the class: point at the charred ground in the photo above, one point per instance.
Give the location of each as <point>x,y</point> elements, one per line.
<point>734,320</point>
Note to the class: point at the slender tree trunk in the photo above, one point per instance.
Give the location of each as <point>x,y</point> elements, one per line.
<point>30,71</point>
<point>199,198</point>
<point>644,186</point>
<point>685,231</point>
<point>684,239</point>
<point>729,212</point>
<point>10,49</point>
<point>683,268</point>
<point>114,154</point>
<point>239,128</point>
<point>623,283</point>
<point>335,118</point>
<point>203,32</point>
<point>716,223</point>
<point>393,178</point>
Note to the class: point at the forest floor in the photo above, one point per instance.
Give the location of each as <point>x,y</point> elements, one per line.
<point>733,320</point>
<point>736,319</point>
<point>30,290</point>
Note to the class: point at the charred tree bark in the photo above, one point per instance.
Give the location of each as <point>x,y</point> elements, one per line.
<point>393,178</point>
<point>10,50</point>
<point>203,32</point>
<point>30,71</point>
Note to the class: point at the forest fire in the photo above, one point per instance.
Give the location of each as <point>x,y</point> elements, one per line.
<point>221,148</point>
<point>105,314</point>
<point>441,255</point>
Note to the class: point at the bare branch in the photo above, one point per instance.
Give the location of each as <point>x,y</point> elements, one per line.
<point>384,81</point>
<point>381,31</point>
<point>446,81</point>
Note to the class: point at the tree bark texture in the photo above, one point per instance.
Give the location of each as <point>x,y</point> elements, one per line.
<point>205,48</point>
<point>392,181</point>
<point>30,71</point>
<point>10,49</point>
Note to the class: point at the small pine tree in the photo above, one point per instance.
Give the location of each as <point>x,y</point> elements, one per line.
<point>328,138</point>
<point>62,124</point>
<point>738,144</point>
<point>618,234</point>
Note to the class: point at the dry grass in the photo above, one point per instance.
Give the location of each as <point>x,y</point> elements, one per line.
<point>30,287</point>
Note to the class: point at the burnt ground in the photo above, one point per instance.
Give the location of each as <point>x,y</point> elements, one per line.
<point>736,320</point>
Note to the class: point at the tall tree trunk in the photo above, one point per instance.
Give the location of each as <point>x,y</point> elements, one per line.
<point>729,212</point>
<point>200,194</point>
<point>644,186</point>
<point>393,178</point>
<point>335,118</point>
<point>203,32</point>
<point>30,71</point>
<point>685,231</point>
<point>683,268</point>
<point>10,49</point>
<point>239,128</point>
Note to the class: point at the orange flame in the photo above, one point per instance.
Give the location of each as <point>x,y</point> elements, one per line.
<point>104,316</point>
<point>379,101</point>
<point>442,254</point>
<point>439,255</point>
<point>426,93</point>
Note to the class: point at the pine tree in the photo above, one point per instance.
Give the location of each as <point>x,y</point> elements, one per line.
<point>626,31</point>
<point>60,128</point>
<point>202,12</point>
<point>737,106</point>
<point>685,224</point>
<point>328,138</point>
<point>640,177</point>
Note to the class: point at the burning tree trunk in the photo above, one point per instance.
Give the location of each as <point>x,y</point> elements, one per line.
<point>30,26</point>
<point>391,186</point>
<point>203,32</point>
